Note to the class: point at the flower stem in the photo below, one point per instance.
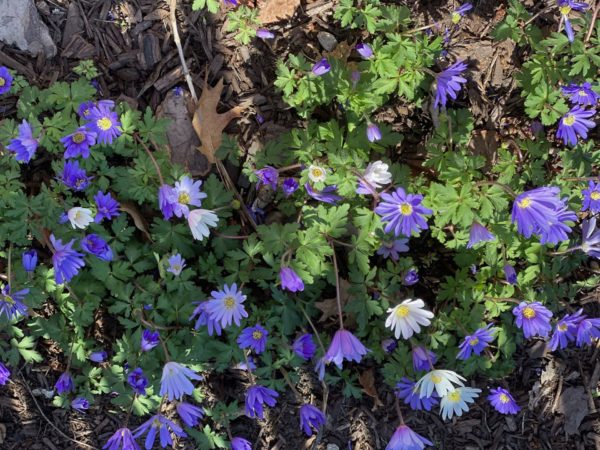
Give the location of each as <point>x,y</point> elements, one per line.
<point>338,295</point>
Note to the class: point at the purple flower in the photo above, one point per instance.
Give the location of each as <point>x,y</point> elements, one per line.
<point>393,248</point>
<point>74,177</point>
<point>238,443</point>
<point>5,80</point>
<point>158,424</point>
<point>267,175</point>
<point>565,7</point>
<point>344,345</point>
<point>254,338</point>
<point>590,238</point>
<point>105,123</point>
<point>150,339</point>
<point>138,381</point>
<point>406,439</point>
<point>167,199</point>
<point>98,357</point>
<point>411,277</point>
<point>64,384</point>
<point>11,303</point>
<point>290,280</point>
<point>533,318</point>
<point>186,192</point>
<point>121,439</point>
<point>175,381</point>
<point>510,274</point>
<point>80,404</point>
<point>263,33</point>
<point>226,306</point>
<point>95,245</point>
<point>248,365</point>
<point>364,50</point>
<point>422,358</point>
<point>373,132</point>
<point>408,392</point>
<point>304,347</point>
<point>66,261</point>
<point>24,145</point>
<point>311,416</point>
<point>355,78</point>
<point>256,397</point>
<point>586,330</point>
<point>565,330</point>
<point>475,343</point>
<point>190,414</point>
<point>79,143</point>
<point>581,94</point>
<point>205,319</point>
<point>327,195</point>
<point>558,230</point>
<point>321,67</point>
<point>4,374</point>
<point>389,345</point>
<point>591,198</point>
<point>503,402</point>
<point>231,2</point>
<point>478,234</point>
<point>176,264</point>
<point>289,186</point>
<point>402,212</point>
<point>575,122</point>
<point>448,83</point>
<point>458,13</point>
<point>537,128</point>
<point>106,207</point>
<point>85,109</point>
<point>30,259</point>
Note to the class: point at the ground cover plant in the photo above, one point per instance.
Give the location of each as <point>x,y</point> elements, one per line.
<point>434,275</point>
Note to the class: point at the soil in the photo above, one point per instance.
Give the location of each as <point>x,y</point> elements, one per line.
<point>132,46</point>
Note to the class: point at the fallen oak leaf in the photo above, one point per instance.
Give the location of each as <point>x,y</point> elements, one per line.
<point>208,123</point>
<point>367,381</point>
<point>275,10</point>
<point>138,220</point>
<point>329,306</point>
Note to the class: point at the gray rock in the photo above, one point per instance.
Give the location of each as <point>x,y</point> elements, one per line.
<point>20,24</point>
<point>327,40</point>
<point>332,447</point>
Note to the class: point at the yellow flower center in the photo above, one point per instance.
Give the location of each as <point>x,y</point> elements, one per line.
<point>257,335</point>
<point>78,137</point>
<point>565,10</point>
<point>582,93</point>
<point>528,313</point>
<point>156,423</point>
<point>2,82</point>
<point>454,396</point>
<point>569,119</point>
<point>184,198</point>
<point>8,299</point>
<point>317,173</point>
<point>525,203</point>
<point>229,302</point>
<point>436,379</point>
<point>504,398</point>
<point>177,268</point>
<point>456,18</point>
<point>595,195</point>
<point>406,209</point>
<point>104,124</point>
<point>474,341</point>
<point>86,112</point>
<point>562,327</point>
<point>402,311</point>
<point>79,182</point>
<point>78,215</point>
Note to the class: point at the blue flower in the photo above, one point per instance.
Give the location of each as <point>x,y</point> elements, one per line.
<point>176,264</point>
<point>64,384</point>
<point>478,234</point>
<point>448,83</point>
<point>591,198</point>
<point>256,397</point>
<point>227,306</point>
<point>290,280</point>
<point>122,439</point>
<point>533,318</point>
<point>344,345</point>
<point>186,192</point>
<point>253,337</point>
<point>150,339</point>
<point>85,109</point>
<point>66,261</point>
<point>510,274</point>
<point>402,212</point>
<point>503,402</point>
<point>327,195</point>
<point>5,80</point>
<point>304,346</point>
<point>391,248</point>
<point>459,13</point>
<point>406,439</point>
<point>167,199</point>
<point>565,7</point>
<point>30,259</point>
<point>289,186</point>
<point>161,425</point>
<point>74,177</point>
<point>475,343</point>
<point>11,303</point>
<point>79,143</point>
<point>373,132</point>
<point>411,277</point>
<point>408,392</point>
<point>263,33</point>
<point>175,381</point>
<point>364,50</point>
<point>311,416</point>
<point>204,318</point>
<point>138,381</point>
<point>581,94</point>
<point>190,414</point>
<point>24,145</point>
<point>590,238</point>
<point>586,330</point>
<point>238,443</point>
<point>80,404</point>
<point>423,359</point>
<point>321,67</point>
<point>267,175</point>
<point>106,207</point>
<point>95,245</point>
<point>4,374</point>
<point>105,123</point>
<point>575,122</point>
<point>565,330</point>
<point>98,357</point>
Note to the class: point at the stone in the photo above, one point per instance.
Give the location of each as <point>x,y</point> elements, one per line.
<point>21,25</point>
<point>327,40</point>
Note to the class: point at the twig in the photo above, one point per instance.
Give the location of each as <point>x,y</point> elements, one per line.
<point>231,186</point>
<point>151,156</point>
<point>58,430</point>
<point>186,72</point>
<point>338,296</point>
<point>591,28</point>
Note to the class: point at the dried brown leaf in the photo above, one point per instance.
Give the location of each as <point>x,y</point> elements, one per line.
<point>275,10</point>
<point>138,220</point>
<point>329,306</point>
<point>367,381</point>
<point>208,123</point>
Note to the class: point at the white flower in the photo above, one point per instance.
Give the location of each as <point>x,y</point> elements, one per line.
<point>80,217</point>
<point>441,380</point>
<point>316,173</point>
<point>455,402</point>
<point>377,174</point>
<point>199,221</point>
<point>405,319</point>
